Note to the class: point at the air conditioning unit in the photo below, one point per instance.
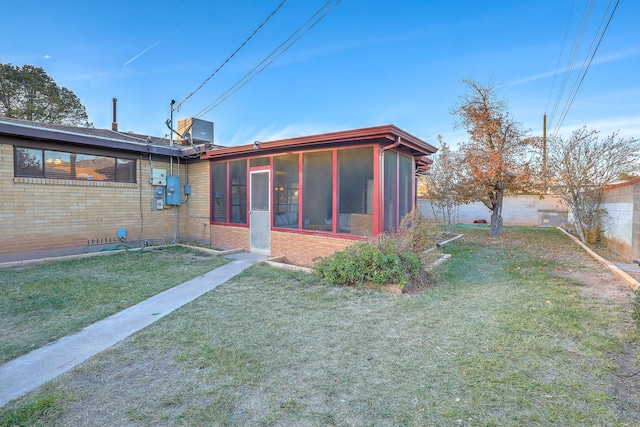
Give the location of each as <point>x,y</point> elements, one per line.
<point>200,130</point>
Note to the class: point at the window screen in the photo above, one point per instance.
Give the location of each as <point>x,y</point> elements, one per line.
<point>317,196</point>
<point>219,192</point>
<point>355,177</point>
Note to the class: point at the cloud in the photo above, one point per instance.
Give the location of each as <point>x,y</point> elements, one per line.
<point>611,57</point>
<point>47,57</point>
<point>142,53</point>
<point>626,127</point>
<point>274,133</point>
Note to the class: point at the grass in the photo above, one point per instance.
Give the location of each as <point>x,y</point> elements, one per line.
<point>501,341</point>
<point>40,304</point>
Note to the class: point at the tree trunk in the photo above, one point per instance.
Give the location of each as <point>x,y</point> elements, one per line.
<point>578,225</point>
<point>496,214</point>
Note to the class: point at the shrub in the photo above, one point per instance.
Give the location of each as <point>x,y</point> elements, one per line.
<point>375,261</point>
<point>387,259</point>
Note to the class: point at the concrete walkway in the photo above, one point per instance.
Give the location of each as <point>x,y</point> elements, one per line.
<point>24,374</point>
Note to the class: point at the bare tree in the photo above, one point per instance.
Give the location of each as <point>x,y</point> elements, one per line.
<point>444,184</point>
<point>498,153</point>
<point>579,169</point>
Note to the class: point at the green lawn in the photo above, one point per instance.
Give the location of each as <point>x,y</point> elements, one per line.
<point>43,303</point>
<point>501,341</point>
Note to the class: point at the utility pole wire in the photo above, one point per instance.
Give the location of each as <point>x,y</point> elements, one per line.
<point>564,40</point>
<point>575,92</point>
<point>232,55</point>
<point>572,57</point>
<point>246,79</point>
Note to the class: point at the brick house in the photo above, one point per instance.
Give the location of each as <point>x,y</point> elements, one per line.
<point>72,190</point>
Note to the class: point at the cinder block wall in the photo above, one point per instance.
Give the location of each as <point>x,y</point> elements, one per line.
<point>39,214</point>
<point>622,223</point>
<point>517,210</point>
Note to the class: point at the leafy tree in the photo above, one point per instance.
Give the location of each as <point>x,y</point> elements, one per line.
<point>29,93</point>
<point>445,184</point>
<point>579,169</point>
<point>498,150</point>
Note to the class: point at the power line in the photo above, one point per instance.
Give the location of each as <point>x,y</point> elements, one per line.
<point>577,86</point>
<point>564,40</point>
<point>232,55</point>
<point>572,57</point>
<point>279,50</point>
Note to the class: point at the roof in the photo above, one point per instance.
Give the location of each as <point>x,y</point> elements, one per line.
<point>104,138</point>
<point>384,135</point>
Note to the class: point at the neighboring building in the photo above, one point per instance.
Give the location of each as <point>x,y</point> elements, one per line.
<point>67,189</point>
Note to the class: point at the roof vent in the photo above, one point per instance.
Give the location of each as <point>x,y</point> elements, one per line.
<point>114,124</point>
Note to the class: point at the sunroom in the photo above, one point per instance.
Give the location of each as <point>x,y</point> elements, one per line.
<point>307,197</point>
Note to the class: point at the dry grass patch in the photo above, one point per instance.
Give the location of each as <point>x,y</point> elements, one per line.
<point>500,341</point>
<point>41,304</point>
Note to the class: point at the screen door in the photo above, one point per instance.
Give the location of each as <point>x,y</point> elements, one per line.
<point>260,225</point>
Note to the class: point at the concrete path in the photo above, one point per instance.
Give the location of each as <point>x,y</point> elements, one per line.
<point>24,374</point>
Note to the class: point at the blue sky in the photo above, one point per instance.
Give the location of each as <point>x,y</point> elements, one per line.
<point>367,63</point>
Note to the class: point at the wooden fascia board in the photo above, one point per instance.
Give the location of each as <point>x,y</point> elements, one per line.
<point>381,134</point>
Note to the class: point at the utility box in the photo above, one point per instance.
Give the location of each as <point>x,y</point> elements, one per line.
<point>158,177</point>
<point>122,233</point>
<point>173,190</point>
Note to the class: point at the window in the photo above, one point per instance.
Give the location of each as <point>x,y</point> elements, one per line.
<point>28,162</point>
<point>37,163</point>
<point>229,192</point>
<point>398,188</point>
<point>286,190</point>
<point>260,161</point>
<point>219,192</point>
<point>355,189</point>
<point>390,178</point>
<point>405,189</point>
<point>238,181</point>
<point>317,196</point>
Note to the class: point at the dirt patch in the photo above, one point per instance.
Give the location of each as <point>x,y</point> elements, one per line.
<point>599,283</point>
<point>626,383</point>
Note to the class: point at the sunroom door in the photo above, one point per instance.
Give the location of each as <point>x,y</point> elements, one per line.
<point>260,225</point>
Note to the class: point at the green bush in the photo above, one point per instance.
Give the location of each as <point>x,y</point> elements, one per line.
<point>375,261</point>
<point>388,259</point>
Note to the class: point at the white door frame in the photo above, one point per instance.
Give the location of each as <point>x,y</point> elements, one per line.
<point>260,215</point>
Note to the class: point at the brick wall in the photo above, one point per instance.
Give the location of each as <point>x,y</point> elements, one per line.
<point>301,249</point>
<point>230,237</point>
<point>194,212</point>
<point>42,214</point>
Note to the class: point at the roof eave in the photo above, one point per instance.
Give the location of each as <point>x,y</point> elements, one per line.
<point>34,132</point>
<point>379,134</point>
